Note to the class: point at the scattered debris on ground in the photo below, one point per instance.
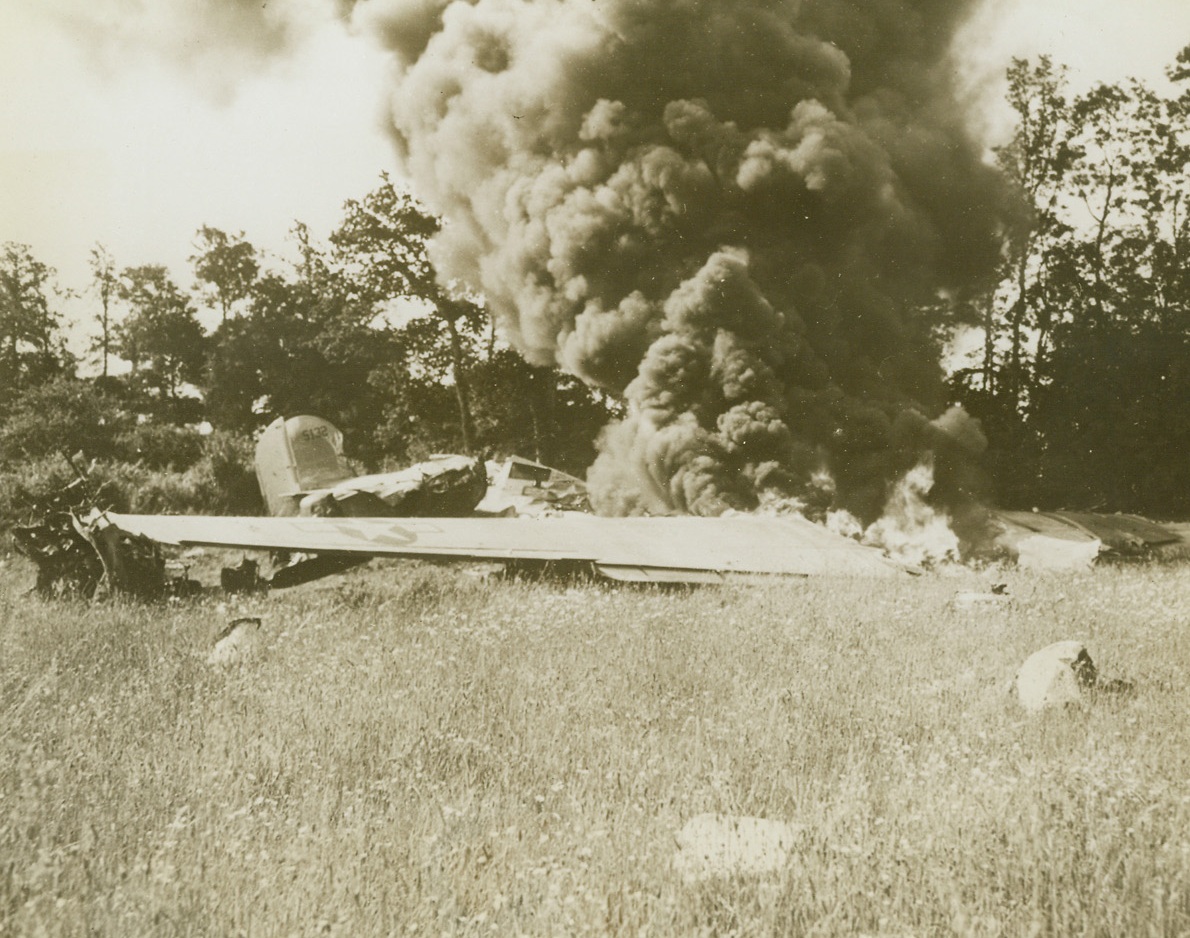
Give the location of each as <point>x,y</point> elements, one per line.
<point>1074,540</point>
<point>238,640</point>
<point>996,595</point>
<point>1061,674</point>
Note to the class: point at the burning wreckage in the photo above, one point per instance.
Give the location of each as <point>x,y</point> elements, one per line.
<point>734,231</point>
<point>528,516</point>
<point>324,519</point>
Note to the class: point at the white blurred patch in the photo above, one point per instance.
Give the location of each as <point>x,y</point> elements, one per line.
<point>1039,552</point>
<point>714,845</point>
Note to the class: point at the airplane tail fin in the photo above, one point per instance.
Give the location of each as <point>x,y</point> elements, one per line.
<point>296,456</point>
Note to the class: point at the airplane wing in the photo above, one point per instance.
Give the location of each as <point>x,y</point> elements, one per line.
<point>670,549</point>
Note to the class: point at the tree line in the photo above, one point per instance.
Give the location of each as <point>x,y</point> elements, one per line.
<point>357,330</point>
<point>1082,383</point>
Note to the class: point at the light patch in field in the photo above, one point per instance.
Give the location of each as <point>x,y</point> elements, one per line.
<point>714,845</point>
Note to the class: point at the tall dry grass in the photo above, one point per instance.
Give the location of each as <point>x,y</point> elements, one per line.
<point>412,751</point>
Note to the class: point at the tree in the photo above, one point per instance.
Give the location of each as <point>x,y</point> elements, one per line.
<point>382,244</point>
<point>31,349</point>
<point>161,333</point>
<point>1117,378</point>
<point>538,412</point>
<point>1019,313</point>
<point>226,264</point>
<point>1038,159</point>
<point>62,415</point>
<point>105,283</point>
<point>1093,309</point>
<point>363,334</point>
<point>304,345</point>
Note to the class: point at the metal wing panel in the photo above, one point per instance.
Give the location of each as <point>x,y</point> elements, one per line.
<point>1122,531</point>
<point>737,544</point>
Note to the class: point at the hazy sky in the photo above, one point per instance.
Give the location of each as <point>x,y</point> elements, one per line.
<point>138,150</point>
<point>137,140</point>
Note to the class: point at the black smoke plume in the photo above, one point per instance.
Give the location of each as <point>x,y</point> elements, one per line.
<point>732,212</point>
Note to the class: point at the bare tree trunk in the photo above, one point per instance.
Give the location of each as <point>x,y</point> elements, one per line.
<point>548,425</point>
<point>1020,312</point>
<point>107,340</point>
<point>462,388</point>
<point>989,347</point>
<point>534,410</point>
<point>1100,235</point>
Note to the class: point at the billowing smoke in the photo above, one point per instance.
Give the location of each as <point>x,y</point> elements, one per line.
<point>739,214</point>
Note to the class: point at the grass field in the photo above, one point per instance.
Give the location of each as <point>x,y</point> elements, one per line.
<point>415,751</point>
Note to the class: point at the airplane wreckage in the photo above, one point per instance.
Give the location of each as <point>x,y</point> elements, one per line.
<point>322,519</point>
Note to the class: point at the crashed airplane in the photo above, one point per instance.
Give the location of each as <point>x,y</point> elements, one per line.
<point>124,553</point>
<point>127,553</point>
<point>324,519</point>
<point>531,518</point>
<point>526,516</point>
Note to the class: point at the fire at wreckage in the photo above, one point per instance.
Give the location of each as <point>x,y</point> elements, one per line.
<point>324,519</point>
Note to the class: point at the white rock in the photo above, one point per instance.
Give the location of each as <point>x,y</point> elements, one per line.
<point>240,639</point>
<point>712,845</point>
<point>1057,675</point>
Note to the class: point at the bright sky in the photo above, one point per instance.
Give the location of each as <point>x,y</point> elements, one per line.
<point>1100,40</point>
<point>119,145</point>
<point>132,151</point>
